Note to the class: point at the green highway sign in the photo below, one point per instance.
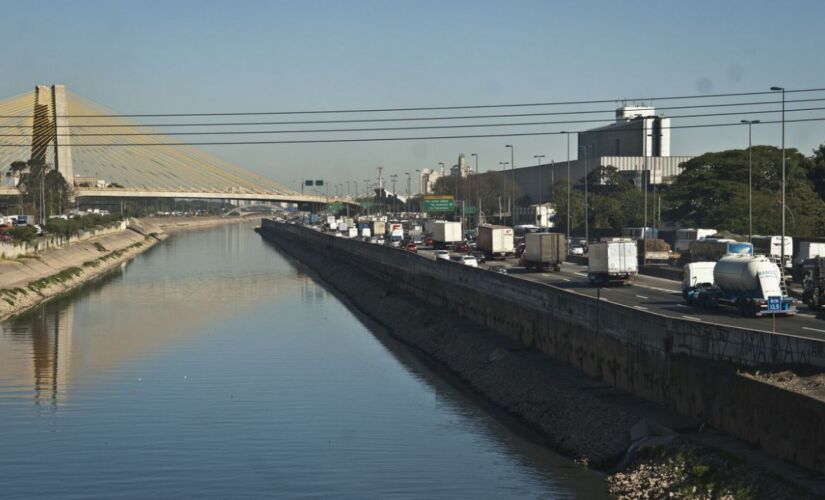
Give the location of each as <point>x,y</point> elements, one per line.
<point>367,204</point>
<point>335,207</point>
<point>439,205</point>
<point>470,210</point>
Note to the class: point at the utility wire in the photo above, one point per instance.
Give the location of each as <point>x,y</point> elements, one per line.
<point>379,129</point>
<point>403,119</point>
<point>434,108</point>
<point>387,139</point>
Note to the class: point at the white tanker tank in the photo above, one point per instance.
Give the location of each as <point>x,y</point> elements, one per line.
<point>754,275</point>
<point>750,283</point>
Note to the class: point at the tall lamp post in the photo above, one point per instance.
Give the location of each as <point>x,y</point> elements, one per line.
<point>513,180</point>
<point>478,195</point>
<point>568,184</point>
<point>586,216</point>
<point>655,225</point>
<point>394,177</point>
<point>407,202</point>
<point>541,186</point>
<point>782,253</point>
<point>750,124</point>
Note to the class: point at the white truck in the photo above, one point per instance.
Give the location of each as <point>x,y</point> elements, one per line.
<point>396,231</point>
<point>750,283</point>
<point>612,262</point>
<point>771,246</point>
<point>352,232</point>
<point>544,250</point>
<point>446,233</point>
<point>495,241</point>
<point>686,235</point>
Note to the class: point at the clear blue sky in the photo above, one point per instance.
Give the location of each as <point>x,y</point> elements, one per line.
<point>193,56</point>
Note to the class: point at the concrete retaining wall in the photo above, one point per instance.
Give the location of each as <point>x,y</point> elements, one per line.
<point>9,250</point>
<point>685,365</point>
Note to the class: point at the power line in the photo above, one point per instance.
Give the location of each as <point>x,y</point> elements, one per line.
<point>422,138</point>
<point>403,119</point>
<point>434,108</point>
<point>378,129</point>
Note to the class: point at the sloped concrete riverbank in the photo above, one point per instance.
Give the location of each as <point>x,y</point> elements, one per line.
<point>28,280</point>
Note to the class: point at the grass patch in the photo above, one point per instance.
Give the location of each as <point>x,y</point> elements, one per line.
<point>61,277</point>
<point>100,248</point>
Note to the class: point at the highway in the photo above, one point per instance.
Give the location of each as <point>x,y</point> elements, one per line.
<point>661,296</point>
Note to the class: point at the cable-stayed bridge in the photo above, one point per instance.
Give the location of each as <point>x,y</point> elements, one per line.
<point>104,155</point>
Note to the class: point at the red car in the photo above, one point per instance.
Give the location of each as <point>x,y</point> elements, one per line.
<point>411,247</point>
<point>428,241</point>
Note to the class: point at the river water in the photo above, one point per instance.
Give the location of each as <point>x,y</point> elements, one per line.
<point>214,366</point>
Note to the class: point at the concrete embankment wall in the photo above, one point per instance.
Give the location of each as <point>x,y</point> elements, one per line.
<point>688,366</point>
<point>9,250</point>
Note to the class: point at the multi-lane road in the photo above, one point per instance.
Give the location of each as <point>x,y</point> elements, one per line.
<point>662,296</point>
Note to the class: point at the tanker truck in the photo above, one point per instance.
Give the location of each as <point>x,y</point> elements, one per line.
<point>751,284</point>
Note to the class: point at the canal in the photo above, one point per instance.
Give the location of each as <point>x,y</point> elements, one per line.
<point>214,366</point>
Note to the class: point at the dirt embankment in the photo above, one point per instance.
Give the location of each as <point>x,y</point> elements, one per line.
<point>587,420</point>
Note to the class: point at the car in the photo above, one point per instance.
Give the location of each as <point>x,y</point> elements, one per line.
<point>500,269</point>
<point>479,255</point>
<point>461,247</point>
<point>428,241</point>
<point>411,247</point>
<point>395,243</point>
<point>380,241</point>
<point>469,260</point>
<point>373,240</point>
<point>577,250</point>
<point>442,254</point>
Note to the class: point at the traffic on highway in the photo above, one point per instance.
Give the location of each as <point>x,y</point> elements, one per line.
<point>725,283</point>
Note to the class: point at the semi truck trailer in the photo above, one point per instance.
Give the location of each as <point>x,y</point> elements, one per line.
<point>446,233</point>
<point>751,284</point>
<point>612,262</point>
<point>544,251</point>
<point>495,241</point>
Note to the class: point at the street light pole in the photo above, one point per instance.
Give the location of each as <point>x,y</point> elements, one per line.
<point>750,179</point>
<point>654,185</point>
<point>541,186</point>
<point>568,185</point>
<point>407,202</point>
<point>586,217</point>
<point>478,195</point>
<point>393,177</point>
<point>782,253</point>
<point>513,172</point>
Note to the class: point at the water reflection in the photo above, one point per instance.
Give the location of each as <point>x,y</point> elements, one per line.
<point>213,366</point>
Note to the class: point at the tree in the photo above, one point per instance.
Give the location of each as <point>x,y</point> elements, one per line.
<point>40,186</point>
<point>817,172</point>
<point>712,191</point>
<point>491,187</point>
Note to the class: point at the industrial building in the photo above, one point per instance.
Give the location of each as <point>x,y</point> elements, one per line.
<point>637,144</point>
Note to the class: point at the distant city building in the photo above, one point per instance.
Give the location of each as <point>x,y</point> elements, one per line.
<point>462,168</point>
<point>427,180</point>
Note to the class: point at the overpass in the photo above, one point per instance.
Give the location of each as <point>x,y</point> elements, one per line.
<point>104,155</point>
